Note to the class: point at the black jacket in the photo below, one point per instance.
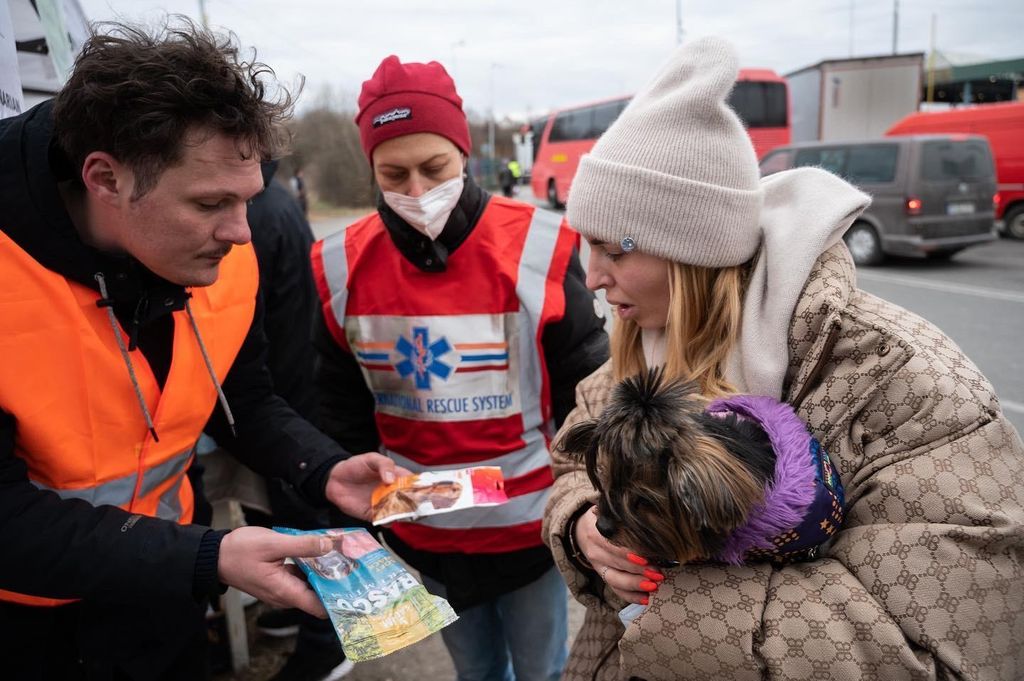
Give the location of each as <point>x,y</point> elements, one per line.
<point>574,347</point>
<point>70,549</point>
<point>282,238</point>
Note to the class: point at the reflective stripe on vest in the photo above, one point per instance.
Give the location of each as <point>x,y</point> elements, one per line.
<point>79,426</point>
<point>531,287</point>
<point>334,259</point>
<point>119,492</point>
<point>466,346</point>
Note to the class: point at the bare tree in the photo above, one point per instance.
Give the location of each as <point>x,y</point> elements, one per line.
<point>325,145</point>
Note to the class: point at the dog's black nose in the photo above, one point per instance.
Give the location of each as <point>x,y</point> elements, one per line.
<point>607,527</point>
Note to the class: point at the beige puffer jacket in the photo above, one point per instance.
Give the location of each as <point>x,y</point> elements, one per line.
<point>925,580</point>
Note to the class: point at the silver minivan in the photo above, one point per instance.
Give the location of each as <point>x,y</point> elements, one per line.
<point>932,195</point>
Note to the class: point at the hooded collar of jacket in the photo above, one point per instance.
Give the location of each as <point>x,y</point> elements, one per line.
<point>428,255</point>
<point>36,220</point>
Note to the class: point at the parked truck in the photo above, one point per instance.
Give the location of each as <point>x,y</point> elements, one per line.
<point>1003,125</point>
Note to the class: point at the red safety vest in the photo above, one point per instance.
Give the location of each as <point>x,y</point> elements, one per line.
<point>80,428</point>
<point>454,359</point>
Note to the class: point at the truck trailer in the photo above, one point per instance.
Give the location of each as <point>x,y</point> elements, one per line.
<point>849,99</point>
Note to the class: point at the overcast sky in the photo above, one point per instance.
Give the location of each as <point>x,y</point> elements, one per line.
<point>532,56</point>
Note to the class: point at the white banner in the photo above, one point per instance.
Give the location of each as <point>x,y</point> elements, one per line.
<point>51,16</point>
<point>12,102</point>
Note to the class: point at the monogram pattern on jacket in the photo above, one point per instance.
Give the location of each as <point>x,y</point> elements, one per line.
<point>924,581</point>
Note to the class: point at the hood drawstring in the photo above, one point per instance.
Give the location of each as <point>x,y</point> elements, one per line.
<point>108,303</point>
<point>209,368</point>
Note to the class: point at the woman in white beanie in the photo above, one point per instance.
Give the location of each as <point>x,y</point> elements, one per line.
<point>744,285</point>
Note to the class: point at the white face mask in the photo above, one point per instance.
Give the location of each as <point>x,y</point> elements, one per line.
<point>428,212</point>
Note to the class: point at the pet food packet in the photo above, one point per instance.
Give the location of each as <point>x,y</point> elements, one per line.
<point>433,492</point>
<point>376,606</point>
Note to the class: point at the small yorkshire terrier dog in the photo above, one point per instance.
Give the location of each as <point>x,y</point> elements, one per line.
<point>679,479</point>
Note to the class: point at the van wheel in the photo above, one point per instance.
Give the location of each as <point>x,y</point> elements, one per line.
<point>1014,220</point>
<point>864,244</point>
<point>553,196</point>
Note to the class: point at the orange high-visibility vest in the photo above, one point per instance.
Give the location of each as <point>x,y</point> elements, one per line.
<point>79,426</point>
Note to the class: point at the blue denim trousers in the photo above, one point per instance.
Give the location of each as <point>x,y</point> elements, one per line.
<point>519,636</point>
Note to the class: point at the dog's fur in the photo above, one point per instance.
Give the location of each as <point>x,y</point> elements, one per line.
<point>673,481</point>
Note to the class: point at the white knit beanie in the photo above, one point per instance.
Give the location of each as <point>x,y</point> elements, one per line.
<point>676,173</point>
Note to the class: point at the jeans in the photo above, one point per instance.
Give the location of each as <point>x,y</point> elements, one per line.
<point>519,636</point>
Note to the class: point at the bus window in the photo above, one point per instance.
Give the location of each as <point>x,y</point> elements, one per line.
<point>537,130</point>
<point>571,125</point>
<point>760,104</point>
<point>604,116</point>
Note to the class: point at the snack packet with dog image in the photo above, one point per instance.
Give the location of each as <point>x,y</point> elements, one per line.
<point>376,606</point>
<point>433,492</point>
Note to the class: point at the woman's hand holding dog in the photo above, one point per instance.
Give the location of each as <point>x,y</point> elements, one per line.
<point>628,574</point>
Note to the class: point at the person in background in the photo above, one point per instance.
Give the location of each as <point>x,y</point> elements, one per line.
<point>130,313</point>
<point>506,179</point>
<point>744,285</point>
<point>282,238</point>
<point>465,319</point>
<point>517,172</point>
<point>299,187</point>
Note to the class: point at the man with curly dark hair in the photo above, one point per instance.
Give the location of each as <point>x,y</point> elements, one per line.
<point>129,308</point>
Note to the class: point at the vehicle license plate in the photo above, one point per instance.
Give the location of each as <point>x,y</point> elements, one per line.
<point>959,208</point>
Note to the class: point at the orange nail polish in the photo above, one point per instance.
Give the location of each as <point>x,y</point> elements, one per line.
<point>648,586</point>
<point>645,600</point>
<point>652,574</point>
<point>635,559</point>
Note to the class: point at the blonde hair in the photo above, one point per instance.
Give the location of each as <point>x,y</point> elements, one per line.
<point>703,324</point>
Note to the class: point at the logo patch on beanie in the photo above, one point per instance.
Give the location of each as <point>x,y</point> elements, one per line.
<point>400,114</point>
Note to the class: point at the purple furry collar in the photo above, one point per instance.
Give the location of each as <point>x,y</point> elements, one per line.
<point>788,496</point>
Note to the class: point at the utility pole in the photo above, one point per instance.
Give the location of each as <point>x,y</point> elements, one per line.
<point>679,22</point>
<point>931,65</point>
<point>490,126</point>
<point>202,14</point>
<point>455,69</point>
<point>895,24</point>
<point>851,28</point>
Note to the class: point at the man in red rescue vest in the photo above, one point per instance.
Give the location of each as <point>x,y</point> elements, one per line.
<point>469,318</point>
<point>128,310</point>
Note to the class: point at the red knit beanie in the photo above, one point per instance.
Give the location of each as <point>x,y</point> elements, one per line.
<point>401,99</point>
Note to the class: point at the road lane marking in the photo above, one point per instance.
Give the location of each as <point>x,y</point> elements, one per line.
<point>963,289</point>
<point>1007,405</point>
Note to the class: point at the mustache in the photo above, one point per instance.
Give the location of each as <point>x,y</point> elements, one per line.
<point>218,253</point>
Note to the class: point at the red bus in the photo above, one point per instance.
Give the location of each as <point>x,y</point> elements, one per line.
<point>761,98</point>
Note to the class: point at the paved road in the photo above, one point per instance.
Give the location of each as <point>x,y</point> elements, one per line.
<point>977,298</point>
